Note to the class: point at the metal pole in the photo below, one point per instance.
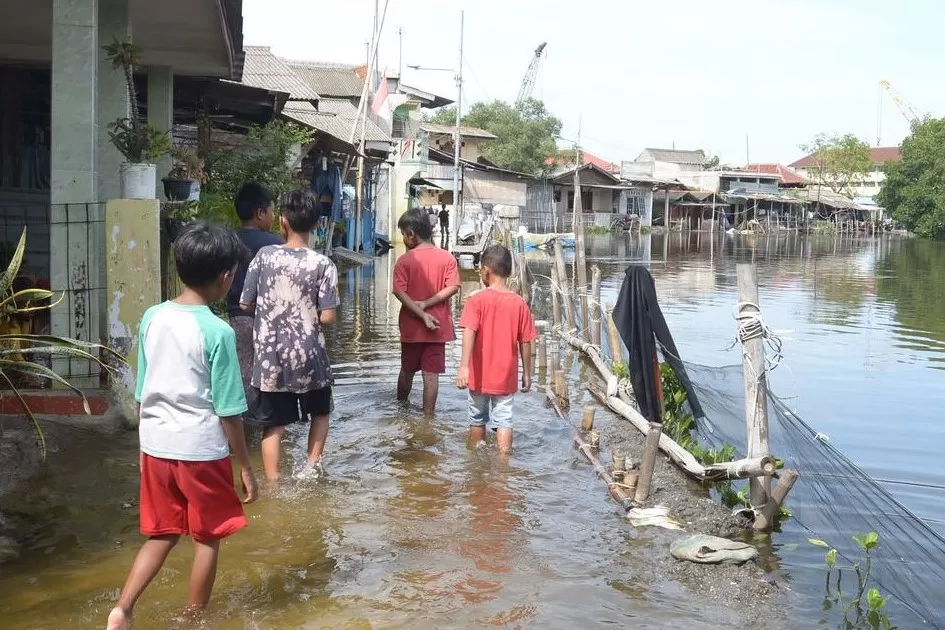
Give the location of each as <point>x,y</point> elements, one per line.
<point>457,137</point>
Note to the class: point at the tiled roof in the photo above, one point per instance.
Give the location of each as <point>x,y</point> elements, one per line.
<point>586,158</point>
<point>673,156</point>
<point>329,79</point>
<point>335,117</point>
<point>263,69</point>
<point>469,132</point>
<point>787,176</point>
<point>880,156</point>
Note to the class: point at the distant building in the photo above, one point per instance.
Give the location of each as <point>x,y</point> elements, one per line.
<point>670,163</point>
<point>868,186</point>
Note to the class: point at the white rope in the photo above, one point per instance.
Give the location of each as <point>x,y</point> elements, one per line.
<point>751,325</point>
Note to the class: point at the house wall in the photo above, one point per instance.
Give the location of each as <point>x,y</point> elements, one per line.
<point>495,188</point>
<point>471,149</point>
<point>868,186</point>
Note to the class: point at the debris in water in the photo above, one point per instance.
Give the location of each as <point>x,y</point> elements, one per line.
<point>705,549</point>
<point>653,517</point>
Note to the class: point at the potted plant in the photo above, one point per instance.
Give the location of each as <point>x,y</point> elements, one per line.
<point>183,182</point>
<point>141,144</point>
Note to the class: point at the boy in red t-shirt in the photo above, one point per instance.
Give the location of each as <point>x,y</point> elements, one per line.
<point>425,278</point>
<point>497,329</point>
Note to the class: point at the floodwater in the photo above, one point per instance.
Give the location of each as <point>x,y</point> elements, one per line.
<point>412,529</point>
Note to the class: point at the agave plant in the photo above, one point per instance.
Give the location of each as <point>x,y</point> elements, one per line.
<point>20,351</point>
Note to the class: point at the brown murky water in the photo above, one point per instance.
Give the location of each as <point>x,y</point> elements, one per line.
<point>410,529</point>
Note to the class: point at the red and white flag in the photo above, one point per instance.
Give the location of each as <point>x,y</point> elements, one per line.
<point>380,95</point>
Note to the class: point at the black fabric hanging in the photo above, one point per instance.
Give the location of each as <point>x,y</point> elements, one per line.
<point>641,323</point>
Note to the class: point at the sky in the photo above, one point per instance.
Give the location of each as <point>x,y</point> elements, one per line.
<point>748,80</point>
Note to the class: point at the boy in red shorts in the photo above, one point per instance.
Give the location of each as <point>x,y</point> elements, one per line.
<point>190,400</point>
<point>497,329</point>
<point>425,278</point>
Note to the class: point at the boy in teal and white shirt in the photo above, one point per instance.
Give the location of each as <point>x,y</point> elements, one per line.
<point>190,400</point>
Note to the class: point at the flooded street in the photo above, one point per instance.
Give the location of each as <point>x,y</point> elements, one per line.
<point>411,529</point>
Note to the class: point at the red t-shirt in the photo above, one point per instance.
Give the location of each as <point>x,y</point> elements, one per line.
<point>502,321</point>
<point>421,273</point>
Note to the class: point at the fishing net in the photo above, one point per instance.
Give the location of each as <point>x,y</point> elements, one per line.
<point>832,500</point>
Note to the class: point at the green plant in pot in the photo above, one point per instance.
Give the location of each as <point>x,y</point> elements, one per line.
<point>183,182</point>
<point>141,144</point>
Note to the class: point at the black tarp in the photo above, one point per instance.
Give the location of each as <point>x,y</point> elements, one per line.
<point>641,324</point>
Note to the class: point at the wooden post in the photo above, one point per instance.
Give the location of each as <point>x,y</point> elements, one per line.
<point>616,348</point>
<point>555,303</point>
<point>754,376</point>
<point>587,420</point>
<point>542,357</point>
<point>593,438</point>
<point>563,286</point>
<point>580,256</point>
<point>523,288</point>
<point>650,450</point>
<point>595,322</point>
<point>560,385</point>
<point>765,520</point>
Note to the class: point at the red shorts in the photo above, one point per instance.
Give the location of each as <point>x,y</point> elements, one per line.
<point>189,498</point>
<point>423,357</point>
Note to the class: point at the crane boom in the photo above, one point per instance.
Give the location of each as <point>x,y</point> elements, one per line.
<point>905,107</point>
<point>528,83</point>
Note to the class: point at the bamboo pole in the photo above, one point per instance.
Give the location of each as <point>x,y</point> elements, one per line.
<point>754,376</point>
<point>616,347</point>
<point>523,279</point>
<point>580,255</point>
<point>651,449</point>
<point>555,303</point>
<point>563,285</point>
<point>595,322</point>
<point>766,518</point>
<point>592,353</point>
<point>560,385</point>
<point>542,358</point>
<point>587,420</point>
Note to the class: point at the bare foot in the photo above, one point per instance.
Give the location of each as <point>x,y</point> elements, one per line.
<point>118,619</point>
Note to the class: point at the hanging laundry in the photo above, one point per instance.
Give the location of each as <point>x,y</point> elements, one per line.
<point>326,186</point>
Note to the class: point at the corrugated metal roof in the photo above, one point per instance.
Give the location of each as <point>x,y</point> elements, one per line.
<point>335,117</point>
<point>788,177</point>
<point>329,79</point>
<point>263,69</point>
<point>469,132</point>
<point>673,156</point>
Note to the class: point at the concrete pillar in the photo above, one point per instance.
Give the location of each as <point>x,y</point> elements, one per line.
<point>161,112</point>
<point>75,71</point>
<point>113,103</point>
<point>133,282</point>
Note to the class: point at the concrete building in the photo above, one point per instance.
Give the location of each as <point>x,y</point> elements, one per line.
<point>58,93</point>
<point>867,186</point>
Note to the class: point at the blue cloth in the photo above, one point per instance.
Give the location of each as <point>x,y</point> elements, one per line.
<point>486,408</point>
<point>254,240</point>
<point>327,183</point>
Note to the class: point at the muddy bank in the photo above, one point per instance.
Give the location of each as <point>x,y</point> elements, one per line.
<point>756,596</point>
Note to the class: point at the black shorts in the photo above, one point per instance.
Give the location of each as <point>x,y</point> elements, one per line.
<point>277,409</point>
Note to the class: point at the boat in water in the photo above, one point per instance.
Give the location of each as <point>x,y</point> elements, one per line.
<point>545,241</point>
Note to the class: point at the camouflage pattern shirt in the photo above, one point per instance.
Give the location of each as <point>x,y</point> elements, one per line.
<point>289,287</point>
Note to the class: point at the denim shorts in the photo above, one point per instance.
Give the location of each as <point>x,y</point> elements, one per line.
<point>484,408</point>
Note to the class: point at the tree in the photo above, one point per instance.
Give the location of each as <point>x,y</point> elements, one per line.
<point>914,190</point>
<point>711,162</point>
<point>839,161</point>
<point>525,134</point>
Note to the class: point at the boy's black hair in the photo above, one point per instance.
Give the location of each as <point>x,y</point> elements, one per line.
<point>203,251</point>
<point>499,259</point>
<point>250,198</point>
<point>415,221</point>
<point>300,211</point>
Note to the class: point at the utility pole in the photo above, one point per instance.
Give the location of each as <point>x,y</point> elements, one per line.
<point>400,58</point>
<point>457,136</point>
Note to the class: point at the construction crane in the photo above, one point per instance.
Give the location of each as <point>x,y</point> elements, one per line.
<point>905,108</point>
<point>528,83</point>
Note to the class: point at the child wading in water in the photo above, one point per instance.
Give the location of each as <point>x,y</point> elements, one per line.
<point>294,292</point>
<point>190,397</point>
<point>425,278</point>
<point>497,329</point>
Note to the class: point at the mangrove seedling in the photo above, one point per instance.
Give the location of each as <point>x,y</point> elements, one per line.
<point>855,615</point>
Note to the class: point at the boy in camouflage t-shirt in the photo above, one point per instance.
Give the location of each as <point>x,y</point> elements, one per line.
<point>293,291</point>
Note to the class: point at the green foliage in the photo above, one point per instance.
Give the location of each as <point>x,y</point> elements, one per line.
<point>263,157</point>
<point>20,350</point>
<point>914,190</point>
<point>855,616</point>
<point>526,135</point>
<point>601,230</point>
<point>122,53</point>
<point>711,163</point>
<point>187,165</point>
<point>139,144</point>
<point>839,161</point>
